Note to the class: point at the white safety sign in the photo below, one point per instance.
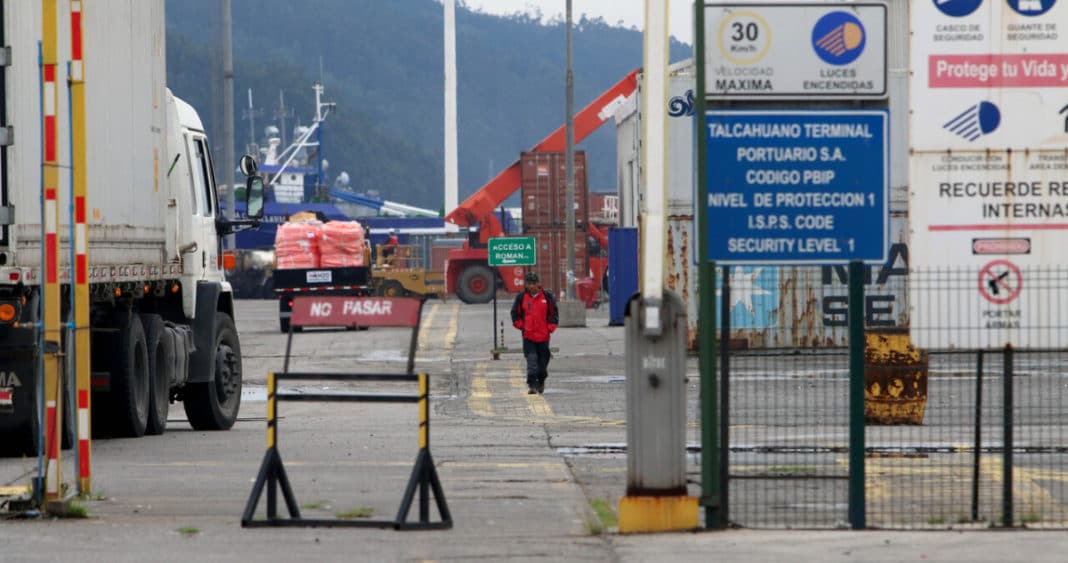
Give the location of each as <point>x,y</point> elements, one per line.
<point>988,171</point>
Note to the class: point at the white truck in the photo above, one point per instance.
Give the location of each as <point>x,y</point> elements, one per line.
<point>162,313</point>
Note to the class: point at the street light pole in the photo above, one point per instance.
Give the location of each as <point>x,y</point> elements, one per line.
<point>228,114</point>
<point>570,170</point>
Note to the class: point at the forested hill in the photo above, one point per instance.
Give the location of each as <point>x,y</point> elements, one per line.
<point>381,62</point>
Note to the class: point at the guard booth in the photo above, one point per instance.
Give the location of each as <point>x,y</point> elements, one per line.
<point>340,311</point>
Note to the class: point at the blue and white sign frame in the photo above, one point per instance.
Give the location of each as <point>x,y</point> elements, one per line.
<point>797,187</point>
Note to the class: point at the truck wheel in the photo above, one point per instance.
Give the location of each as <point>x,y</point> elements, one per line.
<point>391,288</point>
<point>214,405</point>
<point>130,387</point>
<point>476,285</point>
<point>283,325</point>
<point>161,372</point>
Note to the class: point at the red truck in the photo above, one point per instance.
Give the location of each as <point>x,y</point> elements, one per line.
<point>467,271</point>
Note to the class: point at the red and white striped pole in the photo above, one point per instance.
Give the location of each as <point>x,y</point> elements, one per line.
<point>80,281</point>
<point>51,304</point>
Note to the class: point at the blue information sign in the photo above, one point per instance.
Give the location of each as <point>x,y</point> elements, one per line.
<point>796,187</point>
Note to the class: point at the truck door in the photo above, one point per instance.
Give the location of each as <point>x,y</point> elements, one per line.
<point>204,265</point>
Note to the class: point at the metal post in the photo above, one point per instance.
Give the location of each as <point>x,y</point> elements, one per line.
<point>706,278</point>
<point>52,303</point>
<point>227,176</point>
<point>1006,454</point>
<point>570,171</point>
<point>272,434</point>
<point>281,117</point>
<point>724,398</point>
<point>251,124</point>
<point>494,325</point>
<point>424,446</point>
<point>978,435</point>
<point>656,330</point>
<point>856,396</point>
<point>452,180</point>
<point>81,359</point>
<point>272,410</point>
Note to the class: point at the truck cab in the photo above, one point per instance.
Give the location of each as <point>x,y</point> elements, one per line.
<point>193,200</point>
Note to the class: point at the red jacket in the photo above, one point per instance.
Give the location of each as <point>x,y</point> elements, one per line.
<point>535,315</point>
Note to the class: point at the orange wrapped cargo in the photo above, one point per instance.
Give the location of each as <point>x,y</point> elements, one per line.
<point>296,244</point>
<point>342,244</point>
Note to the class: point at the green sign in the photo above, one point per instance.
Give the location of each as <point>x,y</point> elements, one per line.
<point>512,251</point>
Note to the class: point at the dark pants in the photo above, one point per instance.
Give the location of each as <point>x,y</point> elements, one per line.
<point>537,354</point>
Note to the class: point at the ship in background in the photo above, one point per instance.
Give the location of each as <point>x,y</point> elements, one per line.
<point>297,181</point>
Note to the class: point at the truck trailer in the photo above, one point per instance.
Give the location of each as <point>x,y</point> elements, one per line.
<point>161,311</point>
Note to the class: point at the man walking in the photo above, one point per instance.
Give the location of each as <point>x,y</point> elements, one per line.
<point>534,313</point>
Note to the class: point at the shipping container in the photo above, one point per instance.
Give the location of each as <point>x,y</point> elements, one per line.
<point>551,257</point>
<point>771,307</point>
<point>604,208</point>
<point>439,252</point>
<point>544,190</point>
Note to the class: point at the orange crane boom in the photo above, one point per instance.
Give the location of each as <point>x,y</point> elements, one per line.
<point>480,206</point>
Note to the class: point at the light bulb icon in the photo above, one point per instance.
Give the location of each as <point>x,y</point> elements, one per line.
<point>838,38</point>
<point>978,120</point>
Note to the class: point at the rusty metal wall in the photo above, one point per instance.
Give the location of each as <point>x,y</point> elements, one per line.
<point>783,307</point>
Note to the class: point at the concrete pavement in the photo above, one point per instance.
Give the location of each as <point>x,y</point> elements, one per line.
<point>516,480</point>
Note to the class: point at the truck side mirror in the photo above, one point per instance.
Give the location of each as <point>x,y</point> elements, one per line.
<point>248,165</point>
<point>254,196</point>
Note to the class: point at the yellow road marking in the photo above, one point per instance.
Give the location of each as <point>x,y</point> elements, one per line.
<point>11,491</point>
<point>492,465</point>
<point>454,319</point>
<point>424,327</point>
<point>479,401</point>
<point>537,404</point>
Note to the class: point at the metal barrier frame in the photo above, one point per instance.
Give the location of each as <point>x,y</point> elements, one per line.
<point>272,474</point>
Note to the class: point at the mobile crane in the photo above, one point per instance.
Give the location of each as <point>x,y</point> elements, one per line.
<point>467,272</point>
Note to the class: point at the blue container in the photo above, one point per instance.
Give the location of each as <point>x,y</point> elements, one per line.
<point>622,271</point>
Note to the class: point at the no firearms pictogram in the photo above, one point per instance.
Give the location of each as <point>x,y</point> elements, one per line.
<point>1000,282</point>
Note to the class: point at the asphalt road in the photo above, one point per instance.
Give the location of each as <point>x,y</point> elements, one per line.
<point>520,472</point>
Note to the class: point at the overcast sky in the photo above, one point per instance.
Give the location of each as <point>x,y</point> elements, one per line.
<point>630,12</point>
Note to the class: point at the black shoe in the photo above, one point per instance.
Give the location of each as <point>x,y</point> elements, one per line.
<point>531,391</point>
<point>541,388</point>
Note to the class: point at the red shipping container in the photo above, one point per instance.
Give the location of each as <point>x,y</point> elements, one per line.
<point>551,256</point>
<point>604,208</point>
<point>544,190</point>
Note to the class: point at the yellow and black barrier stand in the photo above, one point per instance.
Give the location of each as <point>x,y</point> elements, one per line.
<point>424,477</point>
<point>272,472</point>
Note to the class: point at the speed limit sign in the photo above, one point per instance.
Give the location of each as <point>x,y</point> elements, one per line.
<point>744,37</point>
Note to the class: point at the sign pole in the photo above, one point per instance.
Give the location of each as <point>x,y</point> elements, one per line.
<point>856,396</point>
<point>706,277</point>
<point>493,329</point>
<point>508,251</point>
